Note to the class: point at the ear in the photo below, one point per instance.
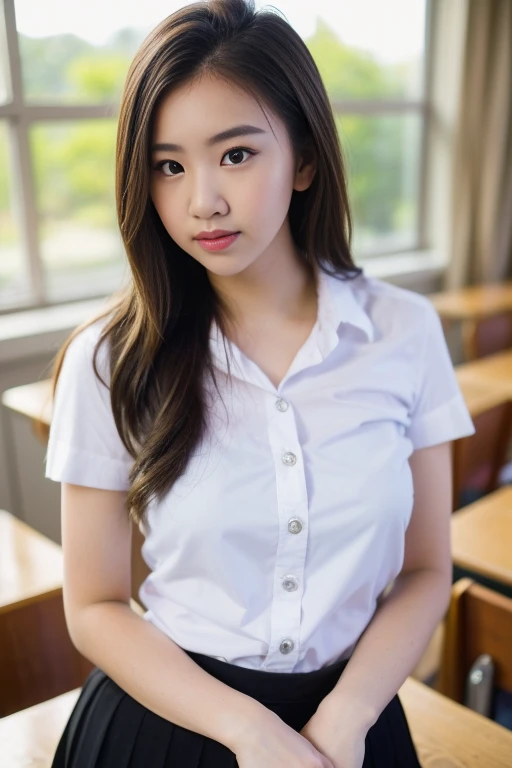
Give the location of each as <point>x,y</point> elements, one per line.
<point>305,169</point>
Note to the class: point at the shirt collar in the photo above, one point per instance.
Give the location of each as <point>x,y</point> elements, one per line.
<point>337,305</point>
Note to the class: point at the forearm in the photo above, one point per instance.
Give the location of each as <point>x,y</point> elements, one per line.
<point>391,645</point>
<point>157,673</point>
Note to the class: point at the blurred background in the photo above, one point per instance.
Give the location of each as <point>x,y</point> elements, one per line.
<point>63,70</point>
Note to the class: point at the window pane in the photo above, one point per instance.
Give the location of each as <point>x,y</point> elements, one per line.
<point>80,52</point>
<point>383,160</point>
<point>12,273</point>
<point>74,172</point>
<point>364,49</point>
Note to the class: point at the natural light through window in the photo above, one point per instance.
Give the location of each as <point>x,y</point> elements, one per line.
<point>73,59</point>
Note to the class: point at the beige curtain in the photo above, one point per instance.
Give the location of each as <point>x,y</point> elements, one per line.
<point>481,245</point>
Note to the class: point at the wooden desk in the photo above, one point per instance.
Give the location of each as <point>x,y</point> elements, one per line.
<point>37,657</point>
<point>30,737</point>
<point>30,564</point>
<point>484,313</point>
<point>482,537</point>
<point>33,401</point>
<point>481,395</point>
<point>493,371</point>
<point>474,302</point>
<point>446,734</point>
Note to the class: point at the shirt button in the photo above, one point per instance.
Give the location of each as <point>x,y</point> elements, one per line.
<point>289,458</point>
<point>281,404</point>
<point>286,645</point>
<point>294,525</point>
<point>290,583</point>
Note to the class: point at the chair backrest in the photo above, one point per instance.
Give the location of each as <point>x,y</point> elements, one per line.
<point>478,459</point>
<point>37,658</point>
<point>487,336</point>
<point>479,621</point>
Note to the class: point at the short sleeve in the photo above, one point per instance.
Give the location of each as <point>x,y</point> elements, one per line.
<point>84,446</point>
<point>439,412</point>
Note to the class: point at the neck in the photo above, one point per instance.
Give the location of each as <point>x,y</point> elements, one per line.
<point>276,289</point>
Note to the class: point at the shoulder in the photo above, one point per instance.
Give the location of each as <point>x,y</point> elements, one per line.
<point>394,310</point>
<point>80,350</point>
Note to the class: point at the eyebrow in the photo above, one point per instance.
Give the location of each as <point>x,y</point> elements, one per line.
<point>238,130</point>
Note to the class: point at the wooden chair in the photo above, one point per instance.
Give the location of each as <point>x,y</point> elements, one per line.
<point>479,458</point>
<point>479,621</point>
<point>484,313</point>
<point>37,658</point>
<point>487,336</point>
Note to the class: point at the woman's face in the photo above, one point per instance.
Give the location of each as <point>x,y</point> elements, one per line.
<point>242,183</point>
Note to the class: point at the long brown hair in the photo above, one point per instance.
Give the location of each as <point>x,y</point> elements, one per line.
<point>158,329</point>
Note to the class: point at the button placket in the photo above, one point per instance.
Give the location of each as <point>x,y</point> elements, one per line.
<point>292,510</point>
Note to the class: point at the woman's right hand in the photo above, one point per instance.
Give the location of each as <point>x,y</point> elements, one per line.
<point>271,743</point>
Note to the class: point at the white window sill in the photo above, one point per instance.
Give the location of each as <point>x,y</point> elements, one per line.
<point>40,332</point>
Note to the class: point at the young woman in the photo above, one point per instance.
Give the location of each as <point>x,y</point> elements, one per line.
<point>278,424</point>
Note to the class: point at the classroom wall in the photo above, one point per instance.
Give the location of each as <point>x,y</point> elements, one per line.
<point>24,490</point>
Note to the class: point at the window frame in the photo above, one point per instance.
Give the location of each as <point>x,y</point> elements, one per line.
<point>20,116</point>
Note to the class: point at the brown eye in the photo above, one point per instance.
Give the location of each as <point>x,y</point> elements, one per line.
<point>237,154</point>
<point>170,164</point>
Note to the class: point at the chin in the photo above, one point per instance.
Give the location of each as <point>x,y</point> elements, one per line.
<point>226,265</point>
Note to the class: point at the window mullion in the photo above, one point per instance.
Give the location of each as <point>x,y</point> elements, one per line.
<point>24,201</point>
<point>13,54</point>
<point>424,241</point>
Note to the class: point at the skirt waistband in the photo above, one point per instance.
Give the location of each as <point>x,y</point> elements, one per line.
<point>273,687</point>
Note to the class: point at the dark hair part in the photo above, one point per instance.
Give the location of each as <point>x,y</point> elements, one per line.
<point>158,332</point>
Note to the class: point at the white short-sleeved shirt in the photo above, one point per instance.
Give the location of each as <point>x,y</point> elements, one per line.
<point>272,549</point>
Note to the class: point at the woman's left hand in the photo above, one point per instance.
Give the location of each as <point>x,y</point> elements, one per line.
<point>336,737</point>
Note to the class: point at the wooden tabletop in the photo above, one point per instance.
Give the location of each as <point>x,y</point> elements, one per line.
<point>30,563</point>
<point>481,395</point>
<point>446,734</point>
<point>32,400</point>
<point>474,302</point>
<point>482,536</point>
<point>494,371</point>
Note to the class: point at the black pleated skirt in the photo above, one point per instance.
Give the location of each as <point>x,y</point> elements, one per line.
<point>109,729</point>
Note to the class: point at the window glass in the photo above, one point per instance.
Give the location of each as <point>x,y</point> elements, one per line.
<point>382,156</point>
<point>364,49</point>
<point>12,273</point>
<point>74,173</point>
<point>80,52</point>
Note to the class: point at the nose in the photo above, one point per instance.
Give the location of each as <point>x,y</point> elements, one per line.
<point>206,197</point>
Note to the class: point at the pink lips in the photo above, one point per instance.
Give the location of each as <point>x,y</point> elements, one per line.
<point>218,243</point>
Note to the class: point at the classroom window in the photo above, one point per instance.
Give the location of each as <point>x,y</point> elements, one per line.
<point>62,69</point>
<point>12,277</point>
<point>78,236</point>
